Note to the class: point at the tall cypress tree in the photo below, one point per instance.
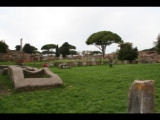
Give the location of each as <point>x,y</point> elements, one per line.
<point>57,51</point>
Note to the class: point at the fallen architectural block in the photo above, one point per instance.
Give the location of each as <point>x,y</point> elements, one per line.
<point>141,97</point>
<point>24,77</point>
<point>63,65</point>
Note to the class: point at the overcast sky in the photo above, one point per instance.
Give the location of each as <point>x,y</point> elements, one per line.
<point>55,25</point>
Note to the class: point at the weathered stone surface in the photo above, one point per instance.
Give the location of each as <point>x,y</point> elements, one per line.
<point>20,81</point>
<point>141,97</point>
<point>33,73</point>
<point>4,71</point>
<point>63,66</point>
<point>3,66</point>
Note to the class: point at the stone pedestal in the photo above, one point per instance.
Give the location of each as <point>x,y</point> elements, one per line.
<point>141,97</point>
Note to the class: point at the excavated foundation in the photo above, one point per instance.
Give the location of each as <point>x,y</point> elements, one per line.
<point>30,78</point>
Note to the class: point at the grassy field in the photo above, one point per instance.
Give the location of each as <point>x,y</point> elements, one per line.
<point>89,89</point>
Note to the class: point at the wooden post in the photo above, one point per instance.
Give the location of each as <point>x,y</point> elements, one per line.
<point>141,97</point>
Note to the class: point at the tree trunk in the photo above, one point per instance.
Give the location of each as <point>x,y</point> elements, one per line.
<point>103,53</point>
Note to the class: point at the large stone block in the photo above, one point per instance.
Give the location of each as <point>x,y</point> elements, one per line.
<point>19,77</point>
<point>141,97</point>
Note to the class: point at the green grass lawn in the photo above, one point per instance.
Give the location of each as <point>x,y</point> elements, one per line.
<point>89,89</point>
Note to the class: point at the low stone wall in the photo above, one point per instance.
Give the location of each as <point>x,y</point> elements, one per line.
<point>80,63</point>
